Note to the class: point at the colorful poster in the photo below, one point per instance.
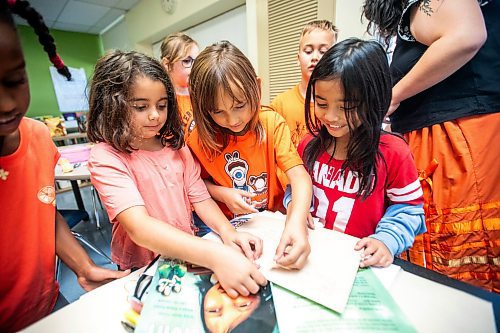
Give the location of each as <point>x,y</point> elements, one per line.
<point>370,309</point>
<point>183,299</point>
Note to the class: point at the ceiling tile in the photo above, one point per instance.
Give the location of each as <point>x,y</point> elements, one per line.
<point>82,13</point>
<point>71,27</point>
<point>126,4</point>
<point>110,17</point>
<point>105,3</point>
<point>95,30</point>
<point>49,10</point>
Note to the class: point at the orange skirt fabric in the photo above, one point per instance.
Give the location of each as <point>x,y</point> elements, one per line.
<point>459,168</point>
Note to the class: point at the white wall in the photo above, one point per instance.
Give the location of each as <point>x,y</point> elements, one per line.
<point>348,19</point>
<point>229,26</point>
<point>117,38</point>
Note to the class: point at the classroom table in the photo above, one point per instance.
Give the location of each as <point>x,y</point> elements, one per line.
<point>80,172</point>
<point>432,302</point>
<point>72,137</point>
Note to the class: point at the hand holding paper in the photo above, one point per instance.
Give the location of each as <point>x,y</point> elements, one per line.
<point>293,248</point>
<point>375,253</point>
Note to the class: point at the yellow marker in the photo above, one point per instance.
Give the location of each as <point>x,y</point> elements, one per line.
<point>131,316</point>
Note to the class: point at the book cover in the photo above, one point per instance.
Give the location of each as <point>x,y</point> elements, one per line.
<point>183,298</point>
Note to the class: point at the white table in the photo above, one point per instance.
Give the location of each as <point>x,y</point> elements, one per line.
<point>430,307</point>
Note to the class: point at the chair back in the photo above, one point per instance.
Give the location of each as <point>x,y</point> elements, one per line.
<point>74,216</point>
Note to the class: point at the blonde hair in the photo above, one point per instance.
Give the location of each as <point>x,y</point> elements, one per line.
<point>320,25</point>
<point>222,67</point>
<point>176,46</point>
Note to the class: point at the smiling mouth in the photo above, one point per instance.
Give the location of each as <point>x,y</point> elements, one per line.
<point>336,126</point>
<point>8,120</point>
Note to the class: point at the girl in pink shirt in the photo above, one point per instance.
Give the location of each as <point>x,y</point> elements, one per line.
<point>148,179</point>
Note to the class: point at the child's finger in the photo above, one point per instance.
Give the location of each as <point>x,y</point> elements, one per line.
<point>289,256</point>
<point>259,278</point>
<point>247,250</point>
<point>310,221</point>
<point>361,243</point>
<point>246,194</point>
<point>257,247</point>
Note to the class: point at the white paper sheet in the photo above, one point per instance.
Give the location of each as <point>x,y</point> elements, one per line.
<point>331,267</point>
<point>70,94</point>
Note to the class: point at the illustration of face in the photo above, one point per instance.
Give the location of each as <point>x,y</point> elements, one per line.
<point>180,70</point>
<point>14,88</point>
<point>329,108</point>
<point>223,313</point>
<point>149,109</point>
<point>237,169</point>
<point>312,47</point>
<point>233,114</point>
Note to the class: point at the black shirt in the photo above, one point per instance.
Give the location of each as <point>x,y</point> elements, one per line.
<point>472,90</point>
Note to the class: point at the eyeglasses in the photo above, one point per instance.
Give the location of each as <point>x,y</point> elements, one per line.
<point>187,62</point>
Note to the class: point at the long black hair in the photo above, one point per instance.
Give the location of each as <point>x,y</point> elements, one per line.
<point>23,9</point>
<point>362,70</point>
<point>383,16</point>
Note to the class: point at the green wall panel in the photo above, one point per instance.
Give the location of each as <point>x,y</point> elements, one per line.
<point>77,50</point>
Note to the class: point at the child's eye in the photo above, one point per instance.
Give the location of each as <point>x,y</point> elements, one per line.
<point>244,305</point>
<point>162,106</point>
<point>321,106</point>
<point>15,83</point>
<point>240,106</point>
<point>139,107</point>
<point>216,112</point>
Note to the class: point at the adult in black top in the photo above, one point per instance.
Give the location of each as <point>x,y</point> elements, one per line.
<point>446,99</point>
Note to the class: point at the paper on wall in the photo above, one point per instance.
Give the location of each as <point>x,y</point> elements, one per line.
<point>70,94</point>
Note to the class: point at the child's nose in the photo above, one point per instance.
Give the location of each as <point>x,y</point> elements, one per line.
<point>233,120</point>
<point>316,55</point>
<point>153,114</point>
<point>332,116</point>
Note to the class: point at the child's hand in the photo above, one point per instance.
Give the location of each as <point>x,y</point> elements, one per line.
<point>310,221</point>
<point>238,201</point>
<point>375,253</point>
<point>95,276</point>
<point>249,244</point>
<point>236,274</point>
<point>294,248</point>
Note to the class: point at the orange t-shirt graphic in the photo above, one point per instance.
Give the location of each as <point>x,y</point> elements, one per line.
<point>186,113</point>
<point>290,105</point>
<point>252,166</point>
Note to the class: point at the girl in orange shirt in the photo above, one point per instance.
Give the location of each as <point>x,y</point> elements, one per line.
<point>178,52</point>
<point>241,146</point>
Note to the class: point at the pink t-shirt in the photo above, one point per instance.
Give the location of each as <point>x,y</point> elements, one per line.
<point>165,182</point>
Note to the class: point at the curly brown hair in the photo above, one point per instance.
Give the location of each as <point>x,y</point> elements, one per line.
<point>109,118</point>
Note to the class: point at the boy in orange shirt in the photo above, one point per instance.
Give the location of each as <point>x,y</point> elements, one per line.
<point>316,38</point>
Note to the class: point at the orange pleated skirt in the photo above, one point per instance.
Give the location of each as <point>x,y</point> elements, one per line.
<point>459,168</point>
